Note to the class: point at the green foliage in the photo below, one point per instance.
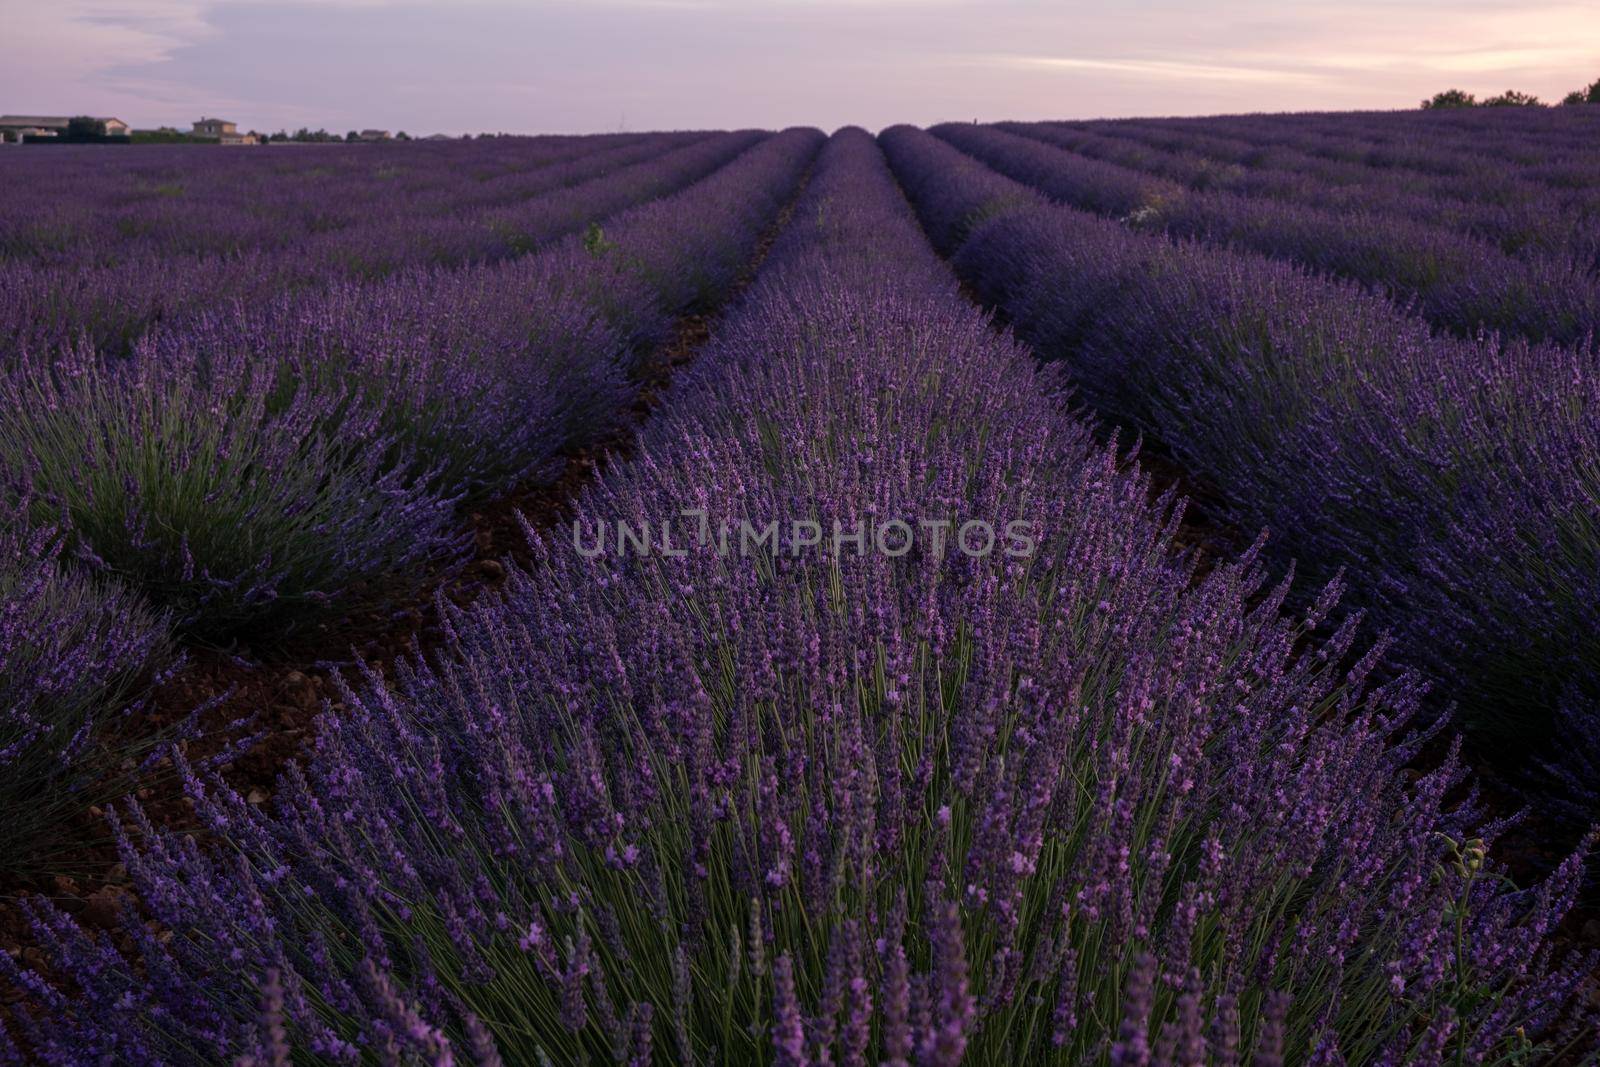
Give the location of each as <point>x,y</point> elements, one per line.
<point>72,649</point>
<point>168,137</point>
<point>1587,95</point>
<point>1450,98</point>
<point>991,209</point>
<point>225,493</point>
<point>1454,98</point>
<point>164,190</point>
<point>1513,98</point>
<point>85,128</point>
<point>594,240</point>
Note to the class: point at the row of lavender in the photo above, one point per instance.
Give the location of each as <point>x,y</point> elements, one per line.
<point>1485,157</point>
<point>1455,479</point>
<point>112,298</point>
<point>71,206</point>
<point>1457,280</point>
<point>242,473</point>
<point>1429,149</point>
<point>1557,146</point>
<point>836,805</point>
<point>1487,153</point>
<point>428,386</point>
<point>1519,215</point>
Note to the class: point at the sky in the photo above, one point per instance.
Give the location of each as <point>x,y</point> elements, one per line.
<point>527,66</point>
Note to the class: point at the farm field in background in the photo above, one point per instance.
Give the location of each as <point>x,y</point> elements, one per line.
<point>1068,592</point>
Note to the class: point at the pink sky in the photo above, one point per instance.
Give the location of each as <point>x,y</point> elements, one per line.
<point>586,65</point>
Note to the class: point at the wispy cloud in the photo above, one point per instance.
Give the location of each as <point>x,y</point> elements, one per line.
<point>587,64</point>
<point>1165,69</point>
<point>1417,38</point>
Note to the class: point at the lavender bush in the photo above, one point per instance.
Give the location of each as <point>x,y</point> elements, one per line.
<point>1451,477</point>
<point>1501,204</point>
<point>228,492</point>
<point>242,519</point>
<point>1456,280</point>
<point>70,208</point>
<point>681,255</point>
<point>489,373</point>
<point>244,467</point>
<point>299,236</point>
<point>70,647</point>
<point>535,222</point>
<point>47,307</point>
<point>931,807</point>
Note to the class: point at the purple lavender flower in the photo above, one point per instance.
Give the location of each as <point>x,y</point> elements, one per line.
<point>1064,746</point>
<point>72,647</point>
<point>1444,476</point>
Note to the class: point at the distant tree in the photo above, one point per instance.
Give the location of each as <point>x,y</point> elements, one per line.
<point>85,128</point>
<point>1589,95</point>
<point>402,136</point>
<point>352,136</point>
<point>1513,98</point>
<point>1451,98</point>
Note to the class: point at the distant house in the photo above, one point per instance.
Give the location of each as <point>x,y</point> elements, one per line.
<point>16,127</point>
<point>373,135</point>
<point>215,128</point>
<point>16,134</point>
<point>222,131</point>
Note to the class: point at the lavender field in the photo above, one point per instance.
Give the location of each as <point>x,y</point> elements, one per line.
<point>1088,592</point>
